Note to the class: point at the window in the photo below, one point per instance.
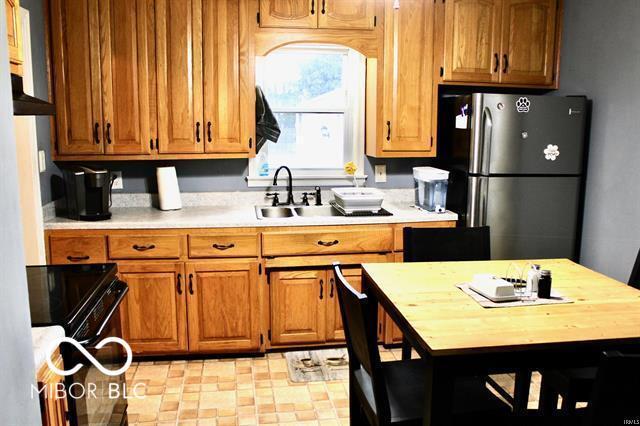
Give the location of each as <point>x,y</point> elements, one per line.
<point>316,93</point>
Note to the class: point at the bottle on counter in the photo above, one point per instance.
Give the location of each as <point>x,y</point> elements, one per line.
<point>544,284</point>
<point>533,276</point>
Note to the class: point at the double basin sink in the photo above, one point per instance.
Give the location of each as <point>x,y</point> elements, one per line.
<point>293,212</point>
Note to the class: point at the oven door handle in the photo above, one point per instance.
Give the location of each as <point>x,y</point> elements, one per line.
<point>93,340</point>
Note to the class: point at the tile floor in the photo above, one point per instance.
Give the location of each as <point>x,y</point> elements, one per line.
<point>244,391</point>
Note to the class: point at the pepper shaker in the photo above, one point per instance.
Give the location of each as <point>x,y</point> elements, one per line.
<point>544,284</point>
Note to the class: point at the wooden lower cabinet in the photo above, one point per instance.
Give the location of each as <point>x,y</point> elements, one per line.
<point>223,306</point>
<point>298,308</point>
<point>53,410</point>
<point>154,312</point>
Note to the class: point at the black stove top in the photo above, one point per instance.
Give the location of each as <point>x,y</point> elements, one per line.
<point>61,294</point>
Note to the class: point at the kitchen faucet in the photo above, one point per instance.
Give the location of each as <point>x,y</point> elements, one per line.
<point>289,184</point>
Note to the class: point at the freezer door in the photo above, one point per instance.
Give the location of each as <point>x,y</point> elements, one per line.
<point>530,217</point>
<point>515,134</point>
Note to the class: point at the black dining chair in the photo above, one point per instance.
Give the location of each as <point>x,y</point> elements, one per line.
<point>574,384</point>
<point>391,393</point>
<point>446,244</point>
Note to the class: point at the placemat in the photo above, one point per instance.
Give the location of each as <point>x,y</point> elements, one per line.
<point>556,299</point>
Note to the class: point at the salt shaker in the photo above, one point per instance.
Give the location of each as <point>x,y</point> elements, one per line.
<point>532,279</point>
<point>544,285</point>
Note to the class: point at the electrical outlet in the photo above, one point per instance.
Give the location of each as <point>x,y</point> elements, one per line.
<point>42,163</point>
<point>381,173</point>
<point>117,183</point>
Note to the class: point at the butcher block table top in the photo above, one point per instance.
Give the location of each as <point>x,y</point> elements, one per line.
<point>424,300</point>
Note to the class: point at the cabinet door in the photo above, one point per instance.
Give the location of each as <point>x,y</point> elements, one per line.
<point>14,36</point>
<point>289,13</point>
<point>298,306</point>
<point>76,60</point>
<point>154,313</point>
<point>222,77</point>
<point>223,306</point>
<point>179,64</point>
<point>528,41</point>
<point>472,40</point>
<point>335,329</point>
<point>408,76</point>
<point>124,34</point>
<point>347,14</point>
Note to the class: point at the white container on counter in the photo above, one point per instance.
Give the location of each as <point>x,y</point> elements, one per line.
<point>168,189</point>
<point>358,199</point>
<point>431,188</point>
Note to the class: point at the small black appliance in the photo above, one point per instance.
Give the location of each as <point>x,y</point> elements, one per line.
<point>88,193</point>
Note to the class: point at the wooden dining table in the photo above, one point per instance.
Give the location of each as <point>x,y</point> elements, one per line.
<point>458,337</point>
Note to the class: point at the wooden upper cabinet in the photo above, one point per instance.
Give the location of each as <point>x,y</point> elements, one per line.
<point>223,306</point>
<point>221,47</point>
<point>153,314</point>
<point>298,306</point>
<point>289,13</point>
<point>14,36</point>
<point>347,14</point>
<point>125,30</point>
<point>528,41</point>
<point>408,69</point>
<point>76,71</point>
<point>179,65</point>
<point>472,40</point>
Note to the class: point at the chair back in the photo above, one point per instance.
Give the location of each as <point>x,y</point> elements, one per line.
<point>446,244</point>
<point>634,279</point>
<point>359,320</point>
<point>616,395</point>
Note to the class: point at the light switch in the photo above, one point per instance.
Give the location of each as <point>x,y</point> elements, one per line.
<point>381,173</point>
<point>42,163</point>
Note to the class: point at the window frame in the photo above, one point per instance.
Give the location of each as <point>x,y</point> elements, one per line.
<point>354,123</point>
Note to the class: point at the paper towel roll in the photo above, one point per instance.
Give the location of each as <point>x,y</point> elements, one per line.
<point>168,190</point>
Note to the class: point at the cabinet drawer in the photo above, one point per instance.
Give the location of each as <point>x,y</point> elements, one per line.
<point>144,246</point>
<point>363,240</point>
<point>81,249</point>
<point>223,245</point>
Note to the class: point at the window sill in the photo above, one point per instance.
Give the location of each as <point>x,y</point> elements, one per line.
<point>305,181</point>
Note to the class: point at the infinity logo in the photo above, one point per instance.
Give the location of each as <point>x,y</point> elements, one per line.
<point>87,355</point>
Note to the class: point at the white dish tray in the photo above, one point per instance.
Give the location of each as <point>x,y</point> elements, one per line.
<point>353,200</point>
<point>496,289</point>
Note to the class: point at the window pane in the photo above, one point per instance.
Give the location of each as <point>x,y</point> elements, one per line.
<point>308,141</point>
<point>305,79</point>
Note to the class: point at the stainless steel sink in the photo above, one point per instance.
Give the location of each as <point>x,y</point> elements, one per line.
<point>315,211</point>
<point>274,212</point>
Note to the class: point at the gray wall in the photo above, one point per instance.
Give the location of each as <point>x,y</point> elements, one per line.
<point>41,90</point>
<point>601,58</point>
<point>16,357</point>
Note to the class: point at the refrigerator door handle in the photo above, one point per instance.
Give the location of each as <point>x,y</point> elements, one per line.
<point>477,201</point>
<point>481,142</point>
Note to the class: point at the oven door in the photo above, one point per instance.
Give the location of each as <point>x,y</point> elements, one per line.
<point>94,397</point>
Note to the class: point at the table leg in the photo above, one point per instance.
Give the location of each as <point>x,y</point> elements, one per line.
<point>438,393</point>
<point>406,349</point>
<point>521,390</point>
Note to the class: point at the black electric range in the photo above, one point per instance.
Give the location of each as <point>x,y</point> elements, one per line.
<point>84,300</point>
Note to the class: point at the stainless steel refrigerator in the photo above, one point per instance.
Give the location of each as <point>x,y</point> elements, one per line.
<point>517,164</point>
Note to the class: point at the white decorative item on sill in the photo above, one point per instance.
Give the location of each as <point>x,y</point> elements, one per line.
<point>168,189</point>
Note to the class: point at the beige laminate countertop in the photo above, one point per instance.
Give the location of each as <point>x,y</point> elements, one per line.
<point>235,217</point>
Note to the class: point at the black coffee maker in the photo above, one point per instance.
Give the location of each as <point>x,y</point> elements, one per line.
<point>87,192</point>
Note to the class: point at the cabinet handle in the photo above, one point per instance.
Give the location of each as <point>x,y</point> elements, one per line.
<point>144,248</point>
<point>191,284</point>
<point>506,63</point>
<point>109,133</point>
<point>497,59</point>
<point>209,131</point>
<point>78,258</point>
<point>328,243</point>
<point>332,282</point>
<point>179,283</point>
<point>96,133</point>
<point>198,132</point>
<point>388,130</point>
<point>223,246</point>
<point>323,8</point>
<point>313,7</point>
<point>321,289</point>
